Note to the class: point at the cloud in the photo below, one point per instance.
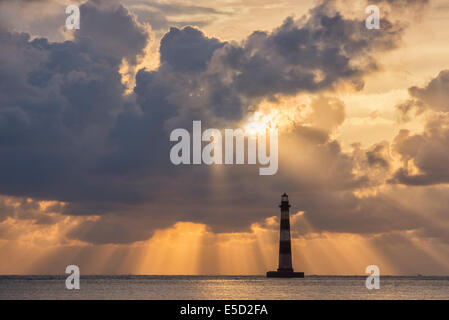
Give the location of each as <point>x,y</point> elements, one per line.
<point>328,113</point>
<point>27,210</point>
<point>428,152</point>
<point>304,56</point>
<point>345,213</point>
<point>58,104</point>
<point>433,97</point>
<point>435,94</point>
<point>405,108</point>
<point>402,3</point>
<point>163,15</point>
<point>69,133</point>
<point>377,156</point>
<point>187,50</point>
<point>113,29</point>
<point>177,8</point>
<point>425,155</point>
<point>317,52</point>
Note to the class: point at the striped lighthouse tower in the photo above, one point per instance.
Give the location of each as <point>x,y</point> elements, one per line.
<point>285,247</point>
<point>285,269</point>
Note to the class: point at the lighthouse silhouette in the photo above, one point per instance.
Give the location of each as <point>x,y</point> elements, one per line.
<point>285,269</point>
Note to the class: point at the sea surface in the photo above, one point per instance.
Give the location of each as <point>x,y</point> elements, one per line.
<point>223,287</point>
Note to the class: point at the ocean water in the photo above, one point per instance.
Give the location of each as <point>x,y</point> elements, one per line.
<point>223,287</point>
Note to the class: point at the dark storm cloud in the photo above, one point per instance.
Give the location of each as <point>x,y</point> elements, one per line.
<point>68,133</point>
<point>344,212</point>
<point>311,54</point>
<point>301,56</point>
<point>187,50</point>
<point>113,229</point>
<point>114,31</point>
<point>58,103</point>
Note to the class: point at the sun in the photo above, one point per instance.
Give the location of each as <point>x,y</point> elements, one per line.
<point>282,115</point>
<point>258,123</point>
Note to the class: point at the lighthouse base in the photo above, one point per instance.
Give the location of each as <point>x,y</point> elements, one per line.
<point>284,274</point>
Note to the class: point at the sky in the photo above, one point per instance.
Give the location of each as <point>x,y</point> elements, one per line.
<point>86,116</point>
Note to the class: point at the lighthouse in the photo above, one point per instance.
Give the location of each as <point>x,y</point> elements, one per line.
<point>285,269</point>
